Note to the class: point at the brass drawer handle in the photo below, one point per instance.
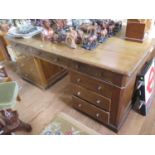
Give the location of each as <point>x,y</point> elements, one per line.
<point>97,115</point>
<point>78,93</point>
<point>98,101</point>
<point>99,87</point>
<point>78,80</point>
<point>80,105</point>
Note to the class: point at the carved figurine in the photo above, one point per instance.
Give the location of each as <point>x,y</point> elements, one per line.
<point>101,32</point>
<point>59,24</point>
<point>88,28</point>
<point>90,36</point>
<point>59,36</point>
<point>80,35</point>
<point>110,27</point>
<point>47,33</point>
<point>71,38</point>
<point>90,41</point>
<point>118,26</point>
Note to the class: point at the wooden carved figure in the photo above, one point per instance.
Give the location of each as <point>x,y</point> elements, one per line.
<point>47,33</point>
<point>71,38</point>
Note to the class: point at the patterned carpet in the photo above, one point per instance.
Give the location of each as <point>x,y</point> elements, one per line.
<point>63,124</point>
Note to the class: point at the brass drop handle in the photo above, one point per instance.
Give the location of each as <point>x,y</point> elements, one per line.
<point>78,93</point>
<point>98,101</point>
<point>78,80</point>
<point>97,115</point>
<point>79,105</point>
<point>99,87</point>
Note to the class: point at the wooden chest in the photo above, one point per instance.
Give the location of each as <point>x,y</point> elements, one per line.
<point>137,29</point>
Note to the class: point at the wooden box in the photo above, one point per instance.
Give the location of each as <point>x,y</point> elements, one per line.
<point>137,29</point>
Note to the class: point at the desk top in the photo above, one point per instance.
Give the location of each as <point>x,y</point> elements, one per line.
<point>116,54</point>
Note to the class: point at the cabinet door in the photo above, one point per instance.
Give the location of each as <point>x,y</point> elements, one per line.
<point>28,68</point>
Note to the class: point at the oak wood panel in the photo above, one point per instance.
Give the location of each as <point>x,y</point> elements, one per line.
<point>92,97</point>
<point>28,69</point>
<point>91,110</point>
<point>121,102</point>
<point>51,69</point>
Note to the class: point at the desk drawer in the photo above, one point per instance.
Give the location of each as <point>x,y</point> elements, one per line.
<point>91,110</point>
<point>91,84</point>
<point>94,98</point>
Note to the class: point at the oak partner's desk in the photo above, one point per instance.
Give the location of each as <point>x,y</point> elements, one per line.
<point>103,79</point>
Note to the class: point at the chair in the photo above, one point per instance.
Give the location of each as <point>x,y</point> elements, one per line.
<point>5,78</point>
<point>9,119</point>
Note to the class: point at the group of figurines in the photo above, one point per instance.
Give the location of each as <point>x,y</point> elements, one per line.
<point>87,33</point>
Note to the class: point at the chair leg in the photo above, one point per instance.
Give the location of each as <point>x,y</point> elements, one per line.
<point>18,98</point>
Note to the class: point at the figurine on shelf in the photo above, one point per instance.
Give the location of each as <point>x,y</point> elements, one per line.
<point>60,36</point>
<point>47,33</point>
<point>76,23</point>
<point>71,38</point>
<point>88,28</point>
<point>36,22</point>
<point>118,26</point>
<point>58,24</point>
<point>101,32</point>
<point>80,35</point>
<point>90,41</point>
<point>102,35</point>
<point>110,27</point>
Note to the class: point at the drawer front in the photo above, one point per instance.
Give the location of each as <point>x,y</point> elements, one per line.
<point>94,98</point>
<point>91,110</point>
<point>91,84</point>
